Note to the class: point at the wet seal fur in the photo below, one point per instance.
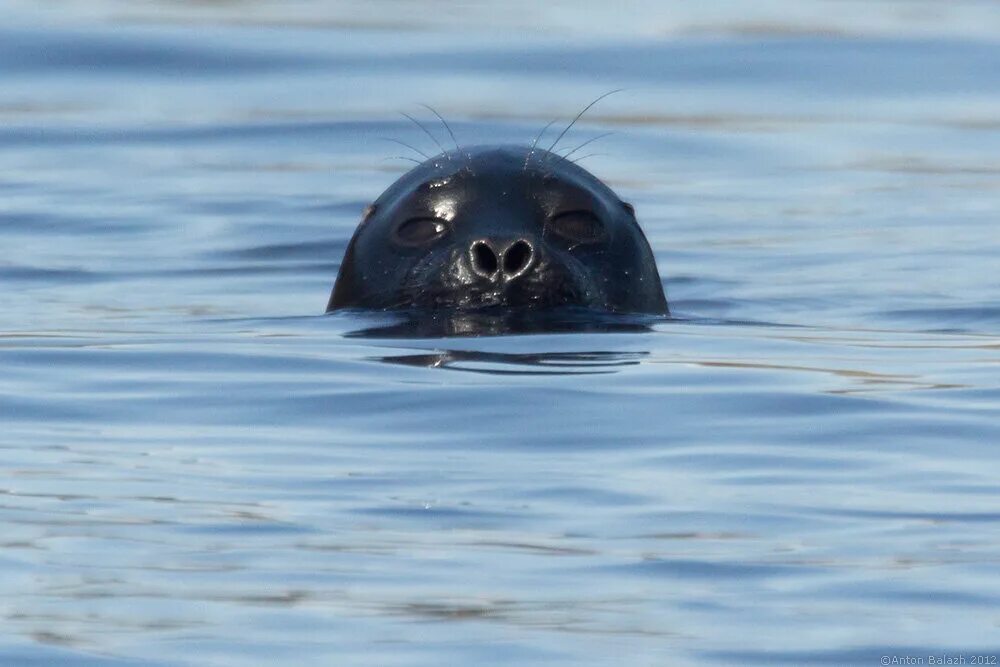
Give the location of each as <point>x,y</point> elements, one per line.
<point>499,227</point>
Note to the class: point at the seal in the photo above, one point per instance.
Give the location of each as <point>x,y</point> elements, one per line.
<point>499,227</point>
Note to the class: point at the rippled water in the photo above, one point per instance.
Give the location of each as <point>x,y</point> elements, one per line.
<point>203,469</point>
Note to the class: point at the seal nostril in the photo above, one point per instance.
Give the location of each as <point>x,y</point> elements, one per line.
<point>517,258</point>
<point>484,260</point>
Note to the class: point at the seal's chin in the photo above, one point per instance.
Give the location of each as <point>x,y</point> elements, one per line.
<point>551,294</point>
<point>474,298</point>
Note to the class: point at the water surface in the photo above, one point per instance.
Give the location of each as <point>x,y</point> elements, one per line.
<point>203,469</point>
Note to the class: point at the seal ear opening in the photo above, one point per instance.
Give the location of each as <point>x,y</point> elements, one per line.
<point>628,207</point>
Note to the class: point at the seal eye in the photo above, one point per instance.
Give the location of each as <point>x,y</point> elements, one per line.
<point>578,227</point>
<point>419,231</point>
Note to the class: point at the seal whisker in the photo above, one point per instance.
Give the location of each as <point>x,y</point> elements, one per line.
<point>406,145</point>
<point>580,115</point>
<point>402,157</point>
<point>587,142</point>
<point>534,143</point>
<point>458,148</point>
<point>587,156</point>
<point>445,123</point>
<point>427,132</point>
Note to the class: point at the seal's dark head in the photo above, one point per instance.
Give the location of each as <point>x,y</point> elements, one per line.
<point>499,226</point>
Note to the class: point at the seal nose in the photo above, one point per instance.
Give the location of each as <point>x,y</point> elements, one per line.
<point>511,262</point>
<point>517,258</point>
<point>483,259</point>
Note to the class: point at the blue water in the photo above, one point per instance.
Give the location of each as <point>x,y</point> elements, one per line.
<point>200,468</point>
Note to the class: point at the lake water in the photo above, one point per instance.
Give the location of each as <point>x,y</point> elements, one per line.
<point>201,468</point>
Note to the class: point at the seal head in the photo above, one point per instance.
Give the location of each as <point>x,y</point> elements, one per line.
<point>499,227</point>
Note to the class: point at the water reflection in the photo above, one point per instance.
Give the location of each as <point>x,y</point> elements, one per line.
<point>503,363</point>
<point>506,322</point>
